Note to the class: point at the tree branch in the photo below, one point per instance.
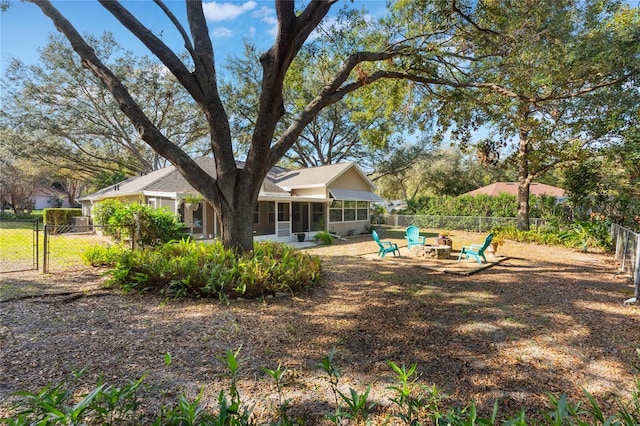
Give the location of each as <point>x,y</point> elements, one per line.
<point>148,132</point>
<point>155,45</point>
<point>176,23</point>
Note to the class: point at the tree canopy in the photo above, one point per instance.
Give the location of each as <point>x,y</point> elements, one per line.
<point>59,114</point>
<point>513,66</point>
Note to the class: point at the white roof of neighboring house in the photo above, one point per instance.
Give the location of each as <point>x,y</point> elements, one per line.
<point>279,182</point>
<point>42,190</point>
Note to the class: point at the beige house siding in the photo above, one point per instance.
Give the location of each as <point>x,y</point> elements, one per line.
<point>304,195</point>
<point>350,179</point>
<point>320,192</point>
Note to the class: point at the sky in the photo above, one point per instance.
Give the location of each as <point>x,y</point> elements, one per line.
<point>24,28</point>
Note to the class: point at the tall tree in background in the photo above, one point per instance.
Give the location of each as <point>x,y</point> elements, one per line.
<point>60,114</point>
<point>491,49</point>
<point>609,181</point>
<point>367,125</point>
<point>444,172</point>
<point>233,190</point>
<point>521,68</point>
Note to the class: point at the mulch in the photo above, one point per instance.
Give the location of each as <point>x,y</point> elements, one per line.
<point>544,319</point>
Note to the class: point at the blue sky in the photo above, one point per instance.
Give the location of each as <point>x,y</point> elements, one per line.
<point>24,28</point>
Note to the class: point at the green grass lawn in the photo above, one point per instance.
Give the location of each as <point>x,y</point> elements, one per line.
<point>17,240</point>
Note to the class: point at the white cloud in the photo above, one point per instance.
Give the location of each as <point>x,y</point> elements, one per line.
<point>262,12</point>
<point>267,16</point>
<point>226,11</point>
<point>252,32</point>
<point>221,32</point>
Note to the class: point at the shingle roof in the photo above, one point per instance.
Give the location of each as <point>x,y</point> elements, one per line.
<point>42,190</point>
<point>170,180</point>
<point>312,176</point>
<point>535,188</point>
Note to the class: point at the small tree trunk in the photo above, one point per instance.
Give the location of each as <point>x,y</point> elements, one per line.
<point>524,181</point>
<point>523,204</point>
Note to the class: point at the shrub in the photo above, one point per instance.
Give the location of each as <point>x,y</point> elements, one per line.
<point>60,216</point>
<point>150,226</point>
<point>503,205</point>
<point>324,238</point>
<point>103,256</point>
<point>188,268</point>
<point>576,235</point>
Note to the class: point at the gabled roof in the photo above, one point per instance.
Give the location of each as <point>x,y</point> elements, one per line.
<point>318,176</point>
<point>131,186</point>
<point>535,188</point>
<point>279,181</point>
<point>42,190</point>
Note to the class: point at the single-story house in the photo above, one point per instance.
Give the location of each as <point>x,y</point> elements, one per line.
<point>535,188</point>
<point>334,198</point>
<point>47,197</point>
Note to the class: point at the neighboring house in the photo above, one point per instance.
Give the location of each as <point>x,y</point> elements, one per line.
<point>334,198</point>
<point>512,188</point>
<point>395,206</point>
<point>47,197</point>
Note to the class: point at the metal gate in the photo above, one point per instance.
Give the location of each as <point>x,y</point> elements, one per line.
<point>19,245</point>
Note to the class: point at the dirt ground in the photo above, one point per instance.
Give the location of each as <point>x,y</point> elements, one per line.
<point>543,320</point>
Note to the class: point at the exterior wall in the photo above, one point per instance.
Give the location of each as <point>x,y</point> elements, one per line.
<point>47,202</point>
<point>211,224</point>
<point>349,228</point>
<point>351,179</point>
<point>310,192</point>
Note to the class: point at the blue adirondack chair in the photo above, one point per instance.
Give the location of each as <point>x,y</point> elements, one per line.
<point>476,250</point>
<point>385,246</point>
<point>413,237</point>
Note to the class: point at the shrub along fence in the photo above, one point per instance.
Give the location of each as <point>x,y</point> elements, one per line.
<point>627,245</point>
<point>459,223</point>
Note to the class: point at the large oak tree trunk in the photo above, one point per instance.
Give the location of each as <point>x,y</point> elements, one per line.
<point>237,229</point>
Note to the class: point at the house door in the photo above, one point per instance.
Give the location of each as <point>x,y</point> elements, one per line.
<point>284,219</point>
<point>300,217</point>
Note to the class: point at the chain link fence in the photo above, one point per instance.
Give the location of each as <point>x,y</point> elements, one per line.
<point>627,246</point>
<point>20,244</point>
<point>64,245</point>
<point>458,223</point>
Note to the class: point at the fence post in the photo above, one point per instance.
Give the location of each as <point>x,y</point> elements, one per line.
<point>36,243</point>
<point>45,249</point>
<point>636,271</point>
<point>625,249</point>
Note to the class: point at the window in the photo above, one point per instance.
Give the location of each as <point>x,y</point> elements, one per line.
<point>349,211</point>
<point>363,210</point>
<point>335,211</point>
<point>317,217</point>
<point>283,212</point>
